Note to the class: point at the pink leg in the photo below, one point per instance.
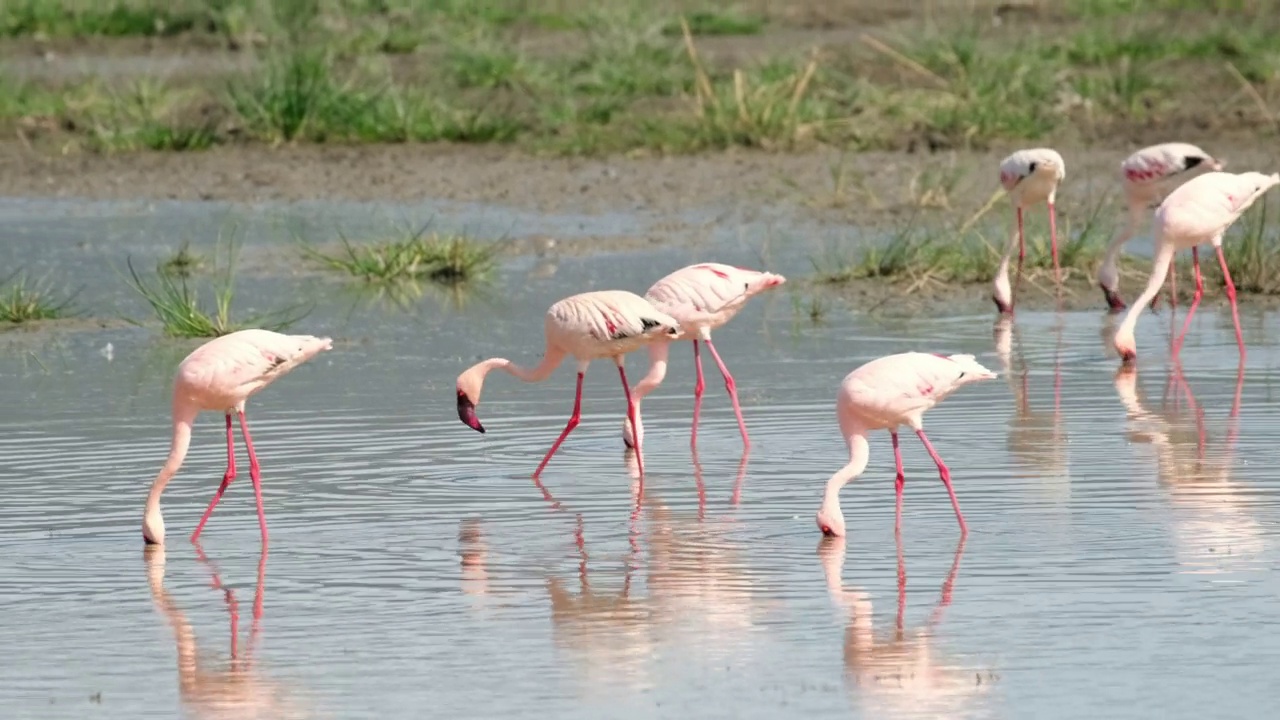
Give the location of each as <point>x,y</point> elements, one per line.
<point>898,482</point>
<point>255,474</point>
<point>1195,300</point>
<point>732,387</point>
<point>1053,243</point>
<point>1022,248</point>
<point>1231,294</point>
<point>946,479</point>
<point>700,386</point>
<point>568,428</point>
<point>631,415</point>
<point>226,480</point>
<point>1173,285</point>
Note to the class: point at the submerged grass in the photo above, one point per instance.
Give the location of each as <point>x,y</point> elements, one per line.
<point>451,259</point>
<point>25,300</point>
<point>182,263</point>
<point>178,308</point>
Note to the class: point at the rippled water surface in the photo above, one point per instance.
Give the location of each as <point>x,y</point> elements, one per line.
<point>1121,561</point>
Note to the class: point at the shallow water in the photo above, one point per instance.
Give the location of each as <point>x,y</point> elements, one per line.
<point>1121,558</point>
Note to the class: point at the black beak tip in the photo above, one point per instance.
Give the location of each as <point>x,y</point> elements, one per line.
<point>467,413</point>
<point>146,540</point>
<point>826,532</point>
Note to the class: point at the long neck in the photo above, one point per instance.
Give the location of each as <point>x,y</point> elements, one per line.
<point>183,417</point>
<point>1159,269</point>
<point>1107,273</point>
<point>859,452</point>
<point>551,359</point>
<point>658,351</point>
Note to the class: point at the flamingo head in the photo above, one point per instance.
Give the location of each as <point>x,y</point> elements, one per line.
<point>469,385</point>
<point>1125,345</point>
<point>831,520</point>
<point>153,527</point>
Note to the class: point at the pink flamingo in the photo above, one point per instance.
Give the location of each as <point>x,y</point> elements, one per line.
<point>701,297</point>
<point>1030,177</point>
<point>589,326</point>
<point>1149,175</point>
<point>1199,211</point>
<point>881,395</point>
<point>221,375</point>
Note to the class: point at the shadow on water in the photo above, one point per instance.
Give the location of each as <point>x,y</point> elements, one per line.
<point>903,674</point>
<point>236,688</point>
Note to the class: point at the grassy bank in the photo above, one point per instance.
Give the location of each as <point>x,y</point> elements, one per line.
<point>572,77</point>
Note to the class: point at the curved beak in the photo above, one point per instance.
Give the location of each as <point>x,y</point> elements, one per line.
<point>467,413</point>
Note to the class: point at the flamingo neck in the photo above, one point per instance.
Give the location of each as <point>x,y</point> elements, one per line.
<point>658,352</point>
<point>551,359</point>
<point>1159,269</point>
<point>859,452</point>
<point>182,421</point>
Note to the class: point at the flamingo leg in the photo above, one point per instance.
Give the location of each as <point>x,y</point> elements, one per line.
<point>255,474</point>
<point>1022,253</point>
<point>631,415</point>
<point>574,419</point>
<point>732,387</point>
<point>226,480</point>
<point>1231,295</point>
<point>1053,243</point>
<point>945,474</point>
<point>899,481</point>
<point>698,388</point>
<point>1195,299</point>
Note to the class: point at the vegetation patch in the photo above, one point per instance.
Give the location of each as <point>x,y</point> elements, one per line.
<point>444,259</point>
<point>181,314</point>
<point>25,300</point>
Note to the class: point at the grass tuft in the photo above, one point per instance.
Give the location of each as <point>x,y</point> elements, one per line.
<point>710,22</point>
<point>446,260</point>
<point>24,300</point>
<point>182,263</point>
<point>177,306</point>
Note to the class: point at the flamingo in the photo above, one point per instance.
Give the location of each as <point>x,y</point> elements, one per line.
<point>1149,175</point>
<point>221,375</point>
<point>691,296</point>
<point>1199,211</point>
<point>589,326</point>
<point>881,395</point>
<point>1030,177</point>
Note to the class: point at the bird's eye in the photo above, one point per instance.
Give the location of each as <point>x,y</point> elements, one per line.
<point>961,373</point>
<point>1031,168</point>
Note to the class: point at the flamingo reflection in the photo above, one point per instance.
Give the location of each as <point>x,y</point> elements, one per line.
<point>1215,530</point>
<point>232,690</point>
<point>1037,438</point>
<point>679,584</point>
<point>903,673</point>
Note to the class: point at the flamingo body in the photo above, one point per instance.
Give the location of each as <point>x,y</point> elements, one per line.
<point>589,326</point>
<point>701,298</point>
<point>1148,176</point>
<point>221,375</point>
<point>1030,177</point>
<point>884,394</point>
<point>1198,212</point>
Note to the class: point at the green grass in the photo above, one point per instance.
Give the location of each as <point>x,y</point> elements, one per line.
<point>178,308</point>
<point>916,253</point>
<point>581,78</point>
<point>448,260</point>
<point>25,300</point>
<point>712,22</point>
